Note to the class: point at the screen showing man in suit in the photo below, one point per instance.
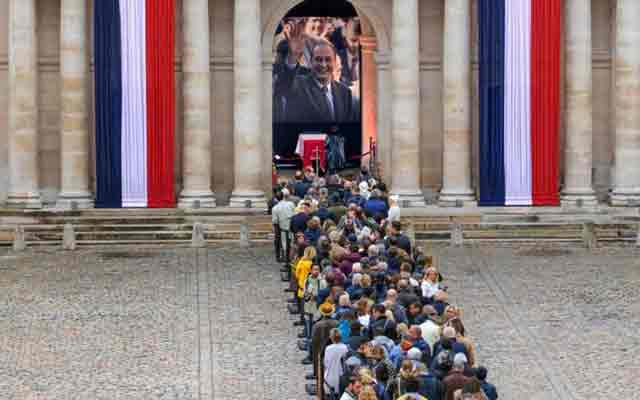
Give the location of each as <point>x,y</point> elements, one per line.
<point>316,79</point>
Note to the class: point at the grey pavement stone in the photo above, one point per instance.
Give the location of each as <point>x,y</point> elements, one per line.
<point>549,322</point>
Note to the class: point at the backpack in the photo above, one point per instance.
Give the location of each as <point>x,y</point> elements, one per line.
<point>344,326</point>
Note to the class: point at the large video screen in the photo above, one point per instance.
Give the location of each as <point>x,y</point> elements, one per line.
<point>317,81</point>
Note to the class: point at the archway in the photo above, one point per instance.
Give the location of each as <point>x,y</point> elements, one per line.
<point>374,44</point>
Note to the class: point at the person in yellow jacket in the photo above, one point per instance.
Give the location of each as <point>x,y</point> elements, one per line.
<point>300,273</point>
<point>302,269</point>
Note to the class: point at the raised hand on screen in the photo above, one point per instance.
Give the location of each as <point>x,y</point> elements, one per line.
<point>294,34</point>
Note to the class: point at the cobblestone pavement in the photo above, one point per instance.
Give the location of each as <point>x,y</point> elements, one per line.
<point>550,322</point>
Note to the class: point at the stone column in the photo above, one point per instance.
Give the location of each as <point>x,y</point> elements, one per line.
<point>369,98</point>
<point>247,129</point>
<point>23,106</point>
<point>405,78</point>
<point>456,97</point>
<point>196,92</point>
<point>74,136</point>
<point>578,111</point>
<point>384,115</point>
<point>626,190</point>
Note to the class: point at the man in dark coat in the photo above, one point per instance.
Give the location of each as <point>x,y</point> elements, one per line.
<point>299,221</point>
<point>401,239</point>
<point>455,379</point>
<point>320,334</point>
<point>313,96</point>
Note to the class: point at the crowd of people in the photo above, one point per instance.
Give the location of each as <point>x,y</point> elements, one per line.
<point>373,309</point>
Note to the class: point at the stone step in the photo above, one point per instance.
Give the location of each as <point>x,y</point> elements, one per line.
<point>145,235</point>
<point>137,227</point>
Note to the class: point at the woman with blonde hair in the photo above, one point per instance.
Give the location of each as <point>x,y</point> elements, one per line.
<point>303,267</point>
<point>429,285</point>
<point>368,393</point>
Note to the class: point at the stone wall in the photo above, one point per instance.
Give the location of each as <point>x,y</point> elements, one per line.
<point>221,36</point>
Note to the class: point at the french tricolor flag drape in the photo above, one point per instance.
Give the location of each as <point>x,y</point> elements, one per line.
<point>135,102</point>
<point>519,56</point>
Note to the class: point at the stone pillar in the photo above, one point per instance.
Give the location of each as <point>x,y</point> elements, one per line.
<point>247,128</point>
<point>456,67</point>
<point>74,136</point>
<point>369,96</point>
<point>384,115</point>
<point>626,190</point>
<point>196,92</point>
<point>405,78</point>
<point>578,112</point>
<point>23,106</point>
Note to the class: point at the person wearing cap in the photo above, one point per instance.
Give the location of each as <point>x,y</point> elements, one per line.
<point>455,379</point>
<point>281,215</point>
<point>320,334</point>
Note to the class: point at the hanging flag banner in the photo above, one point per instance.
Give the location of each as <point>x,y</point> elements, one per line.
<point>135,103</point>
<point>519,54</point>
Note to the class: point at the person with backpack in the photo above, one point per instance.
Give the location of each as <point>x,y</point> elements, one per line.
<point>405,383</point>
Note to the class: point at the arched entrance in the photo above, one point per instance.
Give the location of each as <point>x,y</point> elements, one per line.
<point>375,96</point>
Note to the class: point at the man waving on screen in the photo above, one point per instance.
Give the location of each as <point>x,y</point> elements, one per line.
<point>312,95</point>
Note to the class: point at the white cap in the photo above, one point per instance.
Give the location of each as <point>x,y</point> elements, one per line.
<point>414,354</point>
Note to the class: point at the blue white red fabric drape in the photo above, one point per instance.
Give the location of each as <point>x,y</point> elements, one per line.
<point>519,101</point>
<point>135,102</point>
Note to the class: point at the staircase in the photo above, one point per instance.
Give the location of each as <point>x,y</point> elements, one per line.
<point>144,227</point>
<point>224,225</point>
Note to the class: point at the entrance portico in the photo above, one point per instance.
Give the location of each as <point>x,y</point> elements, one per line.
<point>420,100</point>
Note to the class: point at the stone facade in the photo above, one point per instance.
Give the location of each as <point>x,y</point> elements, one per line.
<point>610,79</point>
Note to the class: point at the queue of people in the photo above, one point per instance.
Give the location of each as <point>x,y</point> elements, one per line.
<point>373,310</point>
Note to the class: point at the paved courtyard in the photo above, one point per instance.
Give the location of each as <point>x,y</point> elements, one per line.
<point>550,322</point>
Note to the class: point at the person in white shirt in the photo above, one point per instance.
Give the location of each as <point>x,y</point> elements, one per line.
<point>430,330</point>
<point>281,215</point>
<point>332,365</point>
<point>430,285</point>
<point>394,209</point>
